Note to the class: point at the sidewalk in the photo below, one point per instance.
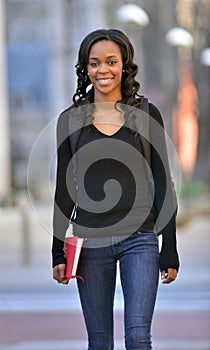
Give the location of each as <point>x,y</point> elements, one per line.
<point>45,331</point>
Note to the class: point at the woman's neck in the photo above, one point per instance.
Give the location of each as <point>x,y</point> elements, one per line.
<point>113,98</point>
<point>104,107</point>
<point>106,112</point>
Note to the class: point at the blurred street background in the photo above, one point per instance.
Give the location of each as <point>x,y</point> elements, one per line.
<point>39,41</point>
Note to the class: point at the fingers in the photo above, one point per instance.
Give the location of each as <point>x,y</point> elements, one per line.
<point>169,276</point>
<point>59,274</point>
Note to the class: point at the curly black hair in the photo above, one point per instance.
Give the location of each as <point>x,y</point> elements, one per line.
<point>129,85</point>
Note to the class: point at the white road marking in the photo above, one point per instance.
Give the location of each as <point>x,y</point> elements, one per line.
<point>37,302</point>
<point>171,344</point>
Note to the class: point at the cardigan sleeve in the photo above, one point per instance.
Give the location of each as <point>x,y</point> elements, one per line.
<point>63,203</point>
<point>165,202</point>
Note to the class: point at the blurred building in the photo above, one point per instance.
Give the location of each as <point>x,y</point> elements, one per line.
<point>43,37</point>
<point>42,40</point>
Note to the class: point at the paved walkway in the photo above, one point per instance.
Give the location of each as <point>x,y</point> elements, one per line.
<point>46,330</point>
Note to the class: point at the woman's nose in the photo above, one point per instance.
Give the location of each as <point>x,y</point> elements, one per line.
<point>102,68</point>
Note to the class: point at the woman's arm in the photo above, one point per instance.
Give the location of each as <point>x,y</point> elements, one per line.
<point>63,203</point>
<point>164,191</point>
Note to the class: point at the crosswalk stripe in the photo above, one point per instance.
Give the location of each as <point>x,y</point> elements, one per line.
<point>169,344</point>
<point>70,302</point>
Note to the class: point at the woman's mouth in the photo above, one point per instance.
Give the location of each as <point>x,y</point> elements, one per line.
<point>104,81</point>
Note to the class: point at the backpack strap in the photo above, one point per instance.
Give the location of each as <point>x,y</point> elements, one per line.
<point>145,140</point>
<point>145,105</point>
<point>75,129</point>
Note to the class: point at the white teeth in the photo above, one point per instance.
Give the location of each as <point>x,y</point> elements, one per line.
<point>103,80</point>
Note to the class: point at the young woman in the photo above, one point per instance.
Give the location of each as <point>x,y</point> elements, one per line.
<point>110,154</point>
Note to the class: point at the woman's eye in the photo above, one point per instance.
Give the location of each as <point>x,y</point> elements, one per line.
<point>93,64</point>
<point>96,64</point>
<point>112,63</point>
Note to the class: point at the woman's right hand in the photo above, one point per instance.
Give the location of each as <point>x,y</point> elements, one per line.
<point>59,274</point>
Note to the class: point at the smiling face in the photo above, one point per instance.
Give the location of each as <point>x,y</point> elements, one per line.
<point>105,71</point>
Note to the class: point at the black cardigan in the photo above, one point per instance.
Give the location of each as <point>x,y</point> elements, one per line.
<point>64,204</point>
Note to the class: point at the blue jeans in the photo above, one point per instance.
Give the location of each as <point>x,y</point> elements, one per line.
<point>138,257</point>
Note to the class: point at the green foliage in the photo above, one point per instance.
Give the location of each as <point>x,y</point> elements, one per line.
<point>194,190</point>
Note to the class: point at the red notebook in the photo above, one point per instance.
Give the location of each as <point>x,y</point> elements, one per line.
<point>72,247</point>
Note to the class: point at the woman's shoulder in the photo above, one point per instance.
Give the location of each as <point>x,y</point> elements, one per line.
<point>63,122</point>
<point>65,116</point>
<point>65,113</point>
<point>155,113</point>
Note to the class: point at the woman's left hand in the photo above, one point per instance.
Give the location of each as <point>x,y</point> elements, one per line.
<point>169,276</point>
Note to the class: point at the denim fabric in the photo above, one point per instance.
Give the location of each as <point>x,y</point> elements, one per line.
<point>138,257</point>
